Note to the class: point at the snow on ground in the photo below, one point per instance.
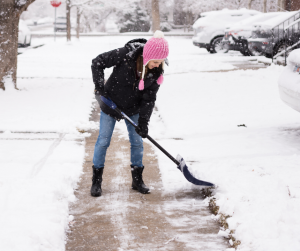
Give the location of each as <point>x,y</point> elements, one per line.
<point>198,116</point>
<point>255,167</point>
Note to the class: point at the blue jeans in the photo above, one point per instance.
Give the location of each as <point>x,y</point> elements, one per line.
<point>107,125</point>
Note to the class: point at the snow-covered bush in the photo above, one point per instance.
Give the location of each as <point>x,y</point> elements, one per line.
<point>165,26</point>
<point>133,18</point>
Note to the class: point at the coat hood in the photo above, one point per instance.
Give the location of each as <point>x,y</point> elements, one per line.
<point>135,47</point>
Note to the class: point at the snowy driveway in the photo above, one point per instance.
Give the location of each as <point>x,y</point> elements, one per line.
<point>255,167</point>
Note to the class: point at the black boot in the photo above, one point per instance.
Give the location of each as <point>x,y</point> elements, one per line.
<point>97,180</point>
<point>137,179</point>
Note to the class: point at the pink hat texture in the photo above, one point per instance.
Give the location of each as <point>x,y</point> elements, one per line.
<point>156,47</point>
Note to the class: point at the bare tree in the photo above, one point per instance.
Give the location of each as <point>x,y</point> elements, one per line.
<point>265,6</point>
<point>10,11</point>
<point>249,4</point>
<point>79,12</point>
<point>281,5</point>
<point>95,8</point>
<point>69,5</point>
<point>155,15</point>
<point>68,12</point>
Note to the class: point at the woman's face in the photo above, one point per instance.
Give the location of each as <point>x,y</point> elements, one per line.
<point>155,63</point>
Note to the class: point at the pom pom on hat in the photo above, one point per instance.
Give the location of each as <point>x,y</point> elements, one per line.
<point>158,34</point>
<point>141,85</point>
<point>160,80</point>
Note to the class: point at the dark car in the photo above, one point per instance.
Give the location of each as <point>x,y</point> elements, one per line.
<point>236,36</point>
<point>268,38</point>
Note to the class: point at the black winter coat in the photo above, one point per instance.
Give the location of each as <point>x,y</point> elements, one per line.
<point>122,85</point>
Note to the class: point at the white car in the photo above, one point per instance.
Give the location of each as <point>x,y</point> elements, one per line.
<point>209,29</point>
<point>236,36</point>
<point>289,81</point>
<point>24,35</point>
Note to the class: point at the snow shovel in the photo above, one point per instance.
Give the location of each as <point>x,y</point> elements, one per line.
<point>179,161</point>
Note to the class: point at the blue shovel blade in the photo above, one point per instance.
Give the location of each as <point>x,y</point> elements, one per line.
<point>184,169</point>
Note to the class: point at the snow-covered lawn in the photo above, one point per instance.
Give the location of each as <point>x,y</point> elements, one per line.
<point>256,168</point>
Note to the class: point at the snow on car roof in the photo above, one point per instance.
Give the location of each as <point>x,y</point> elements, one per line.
<point>225,10</point>
<point>223,17</point>
<point>270,23</point>
<point>248,22</point>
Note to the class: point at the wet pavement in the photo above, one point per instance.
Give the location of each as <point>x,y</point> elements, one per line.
<point>250,64</point>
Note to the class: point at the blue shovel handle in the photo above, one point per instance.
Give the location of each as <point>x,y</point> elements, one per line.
<point>109,102</point>
<point>113,106</point>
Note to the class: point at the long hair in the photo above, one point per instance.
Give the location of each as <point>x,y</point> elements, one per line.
<point>139,66</point>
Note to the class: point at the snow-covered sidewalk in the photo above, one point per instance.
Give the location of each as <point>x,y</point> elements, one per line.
<point>198,116</point>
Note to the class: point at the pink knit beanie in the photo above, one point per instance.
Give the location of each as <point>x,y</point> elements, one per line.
<point>156,48</point>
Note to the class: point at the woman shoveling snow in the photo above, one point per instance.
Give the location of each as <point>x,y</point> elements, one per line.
<point>133,85</point>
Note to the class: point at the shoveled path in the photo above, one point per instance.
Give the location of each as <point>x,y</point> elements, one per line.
<point>123,219</point>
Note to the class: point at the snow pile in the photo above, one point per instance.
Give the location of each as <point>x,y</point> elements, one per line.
<point>34,201</point>
<point>233,130</point>
<point>41,148</point>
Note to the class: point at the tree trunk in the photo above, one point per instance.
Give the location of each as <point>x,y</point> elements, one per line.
<point>9,20</point>
<point>283,5</point>
<point>265,6</point>
<point>68,14</point>
<point>249,4</point>
<point>155,15</point>
<point>78,22</point>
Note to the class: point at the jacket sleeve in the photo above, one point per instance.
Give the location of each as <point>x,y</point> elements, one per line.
<point>148,102</point>
<point>106,60</point>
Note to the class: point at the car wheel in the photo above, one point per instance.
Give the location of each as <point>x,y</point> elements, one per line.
<point>29,42</point>
<point>268,55</point>
<point>217,46</point>
<point>254,52</point>
<point>246,53</point>
<point>24,44</point>
<point>281,47</point>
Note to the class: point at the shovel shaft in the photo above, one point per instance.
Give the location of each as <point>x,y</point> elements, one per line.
<point>148,137</point>
<point>114,107</point>
<point>163,150</point>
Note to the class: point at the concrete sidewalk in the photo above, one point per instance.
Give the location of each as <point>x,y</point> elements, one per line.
<point>123,219</point>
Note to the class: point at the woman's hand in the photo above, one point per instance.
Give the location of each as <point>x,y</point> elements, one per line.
<point>142,128</point>
<point>100,92</point>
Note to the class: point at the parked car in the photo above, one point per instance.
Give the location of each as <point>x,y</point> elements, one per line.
<point>289,81</point>
<point>264,42</point>
<point>24,35</point>
<point>209,28</point>
<point>60,24</point>
<point>236,36</point>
